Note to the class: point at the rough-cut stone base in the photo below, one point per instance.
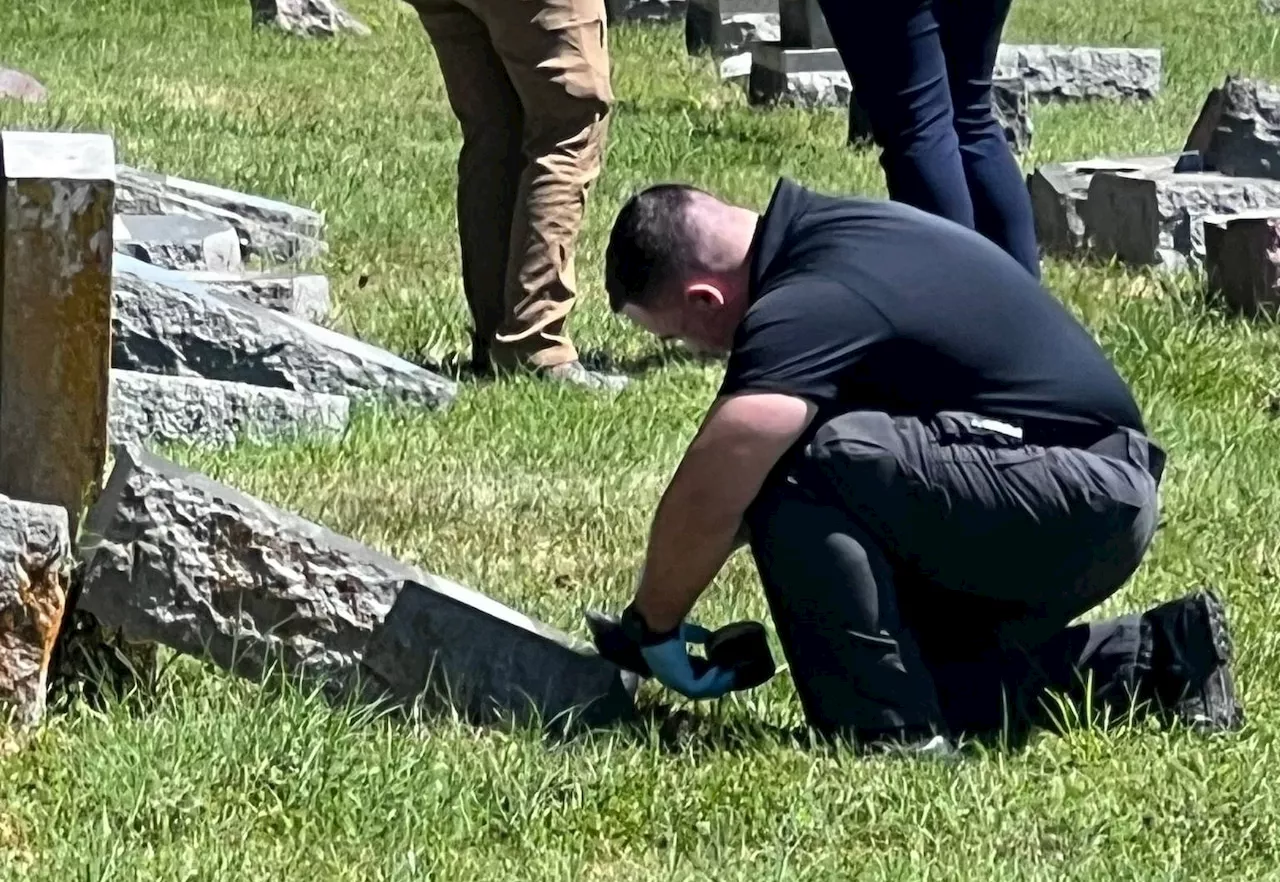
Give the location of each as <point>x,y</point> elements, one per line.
<point>35,565</point>
<point>307,18</point>
<point>173,557</point>
<point>189,410</point>
<point>728,27</point>
<point>1010,105</point>
<point>653,11</point>
<point>1157,219</point>
<point>178,242</point>
<point>797,77</point>
<point>19,86</point>
<point>736,67</point>
<point>304,295</point>
<point>1059,192</point>
<point>1242,260</point>
<point>1075,73</point>
<point>1239,129</point>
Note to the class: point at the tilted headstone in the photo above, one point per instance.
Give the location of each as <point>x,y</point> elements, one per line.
<point>1074,73</point>
<point>35,571</point>
<point>1242,260</point>
<point>175,241</point>
<point>728,27</point>
<point>797,77</point>
<point>190,331</point>
<point>305,295</point>
<point>1059,191</point>
<point>1239,128</point>
<point>147,408</point>
<point>173,557</point>
<point>55,314</point>
<point>1157,218</point>
<point>21,86</point>
<point>307,18</point>
<point>804,26</point>
<point>1202,130</point>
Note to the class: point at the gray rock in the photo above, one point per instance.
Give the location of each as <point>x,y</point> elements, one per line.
<point>20,86</point>
<point>173,557</point>
<point>35,570</point>
<point>191,410</point>
<point>178,242</point>
<point>189,331</point>
<point>728,27</point>
<point>275,231</point>
<point>736,67</point>
<point>1010,105</point>
<point>1157,218</point>
<point>652,11</point>
<point>307,18</point>
<point>304,295</point>
<point>804,26</point>
<point>1242,127</point>
<point>1242,260</point>
<point>1073,73</point>
<point>807,78</point>
<point>1059,192</point>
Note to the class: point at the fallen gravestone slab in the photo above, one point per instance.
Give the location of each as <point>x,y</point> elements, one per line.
<point>304,295</point>
<point>1010,105</point>
<point>1059,191</point>
<point>189,331</point>
<point>20,86</point>
<point>307,18</point>
<point>35,569</point>
<point>808,78</point>
<point>173,557</point>
<point>175,241</point>
<point>1238,129</point>
<point>729,27</point>
<point>645,10</point>
<point>192,410</point>
<point>1157,218</point>
<point>276,231</point>
<point>1072,73</point>
<point>1242,259</point>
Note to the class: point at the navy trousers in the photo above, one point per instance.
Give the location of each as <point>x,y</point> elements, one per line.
<point>923,574</point>
<point>921,72</point>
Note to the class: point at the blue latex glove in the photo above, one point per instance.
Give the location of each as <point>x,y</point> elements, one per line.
<point>671,666</point>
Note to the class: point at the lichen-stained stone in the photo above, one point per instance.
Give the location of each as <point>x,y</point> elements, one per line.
<point>55,314</point>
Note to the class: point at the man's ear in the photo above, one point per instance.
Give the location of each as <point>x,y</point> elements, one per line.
<point>704,294</point>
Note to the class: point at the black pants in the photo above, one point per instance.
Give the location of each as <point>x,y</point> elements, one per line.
<point>921,72</point>
<point>923,574</point>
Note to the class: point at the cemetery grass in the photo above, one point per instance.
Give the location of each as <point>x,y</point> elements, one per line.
<point>542,496</point>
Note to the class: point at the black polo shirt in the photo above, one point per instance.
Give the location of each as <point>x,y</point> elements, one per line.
<point>867,304</point>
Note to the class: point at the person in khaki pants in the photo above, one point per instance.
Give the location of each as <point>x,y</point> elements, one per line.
<point>528,81</point>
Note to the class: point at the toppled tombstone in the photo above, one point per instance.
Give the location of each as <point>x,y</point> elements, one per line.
<point>20,86</point>
<point>728,27</point>
<point>804,26</point>
<point>1059,191</point>
<point>192,410</point>
<point>305,295</point>
<point>645,10</point>
<point>1157,218</point>
<point>1242,259</point>
<point>175,241</point>
<point>1010,105</point>
<point>173,557</point>
<point>807,78</point>
<point>275,231</point>
<point>189,331</point>
<point>307,18</point>
<point>1238,129</point>
<point>1074,73</point>
<point>35,569</point>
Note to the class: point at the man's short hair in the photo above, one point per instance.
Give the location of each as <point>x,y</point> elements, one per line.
<point>651,244</point>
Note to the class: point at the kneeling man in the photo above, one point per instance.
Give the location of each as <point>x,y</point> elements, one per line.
<point>936,468</point>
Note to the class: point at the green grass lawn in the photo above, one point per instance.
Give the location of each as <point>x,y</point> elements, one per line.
<point>542,497</point>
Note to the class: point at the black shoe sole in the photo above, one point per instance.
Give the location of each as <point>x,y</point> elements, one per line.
<point>1213,706</point>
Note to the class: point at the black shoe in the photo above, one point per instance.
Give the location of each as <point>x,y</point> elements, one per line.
<point>1191,655</point>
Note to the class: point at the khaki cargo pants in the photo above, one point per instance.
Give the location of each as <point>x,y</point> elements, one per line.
<point>529,83</point>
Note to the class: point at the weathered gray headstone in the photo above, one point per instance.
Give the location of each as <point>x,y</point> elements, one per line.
<point>307,18</point>
<point>1010,105</point>
<point>1059,192</point>
<point>176,241</point>
<point>305,295</point>
<point>645,10</point>
<point>1242,259</point>
<point>276,231</point>
<point>20,86</point>
<point>1240,126</point>
<point>189,331</point>
<point>804,26</point>
<point>1071,73</point>
<point>173,557</point>
<point>1157,218</point>
<point>797,77</point>
<point>35,570</point>
<point>192,410</point>
<point>728,27</point>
